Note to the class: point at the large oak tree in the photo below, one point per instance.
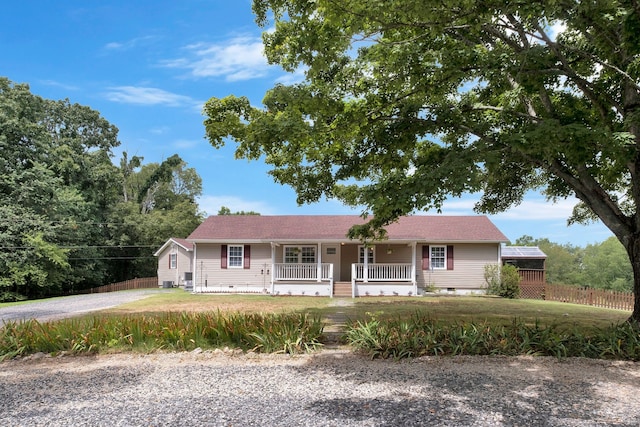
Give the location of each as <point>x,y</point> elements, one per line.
<point>406,103</point>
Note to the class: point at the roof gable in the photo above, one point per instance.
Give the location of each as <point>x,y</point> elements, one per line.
<point>184,243</point>
<point>335,227</point>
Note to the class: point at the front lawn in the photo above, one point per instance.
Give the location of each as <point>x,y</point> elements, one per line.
<point>380,327</point>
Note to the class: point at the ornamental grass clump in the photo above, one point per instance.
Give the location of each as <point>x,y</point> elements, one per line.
<point>282,332</point>
<point>420,335</point>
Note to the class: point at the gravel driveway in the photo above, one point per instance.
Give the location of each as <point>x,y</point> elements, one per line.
<point>58,308</point>
<point>330,388</point>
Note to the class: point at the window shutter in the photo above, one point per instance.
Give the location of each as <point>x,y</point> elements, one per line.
<point>223,256</point>
<point>247,256</point>
<point>450,257</point>
<point>425,257</point>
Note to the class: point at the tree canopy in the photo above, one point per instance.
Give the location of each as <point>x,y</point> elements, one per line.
<point>405,104</point>
<point>69,218</point>
<point>226,211</point>
<point>603,265</point>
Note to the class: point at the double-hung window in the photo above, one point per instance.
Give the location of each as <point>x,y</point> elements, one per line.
<point>438,257</point>
<point>173,261</point>
<point>236,256</point>
<point>299,254</point>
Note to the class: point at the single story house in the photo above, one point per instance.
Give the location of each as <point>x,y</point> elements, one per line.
<point>311,255</point>
<point>175,264</point>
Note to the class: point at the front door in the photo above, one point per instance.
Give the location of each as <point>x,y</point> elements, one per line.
<point>348,256</point>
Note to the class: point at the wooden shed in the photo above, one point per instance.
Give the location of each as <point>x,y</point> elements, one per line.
<point>529,260</point>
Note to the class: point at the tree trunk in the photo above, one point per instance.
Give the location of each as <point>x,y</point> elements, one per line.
<point>633,250</point>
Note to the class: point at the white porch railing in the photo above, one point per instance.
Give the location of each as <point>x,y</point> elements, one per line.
<point>302,272</point>
<point>382,272</point>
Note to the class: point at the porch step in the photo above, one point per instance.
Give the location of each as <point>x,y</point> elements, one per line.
<point>342,289</point>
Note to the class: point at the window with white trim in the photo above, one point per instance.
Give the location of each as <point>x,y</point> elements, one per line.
<point>438,257</point>
<point>308,254</point>
<point>173,261</point>
<point>299,254</point>
<point>371,258</point>
<point>235,256</point>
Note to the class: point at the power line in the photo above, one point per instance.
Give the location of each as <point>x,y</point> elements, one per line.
<point>116,258</point>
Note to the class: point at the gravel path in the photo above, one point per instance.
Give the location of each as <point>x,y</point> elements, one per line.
<point>330,388</point>
<point>58,308</point>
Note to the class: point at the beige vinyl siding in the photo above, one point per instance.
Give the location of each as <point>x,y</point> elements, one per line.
<point>468,267</point>
<point>176,275</point>
<point>211,275</point>
<point>400,254</point>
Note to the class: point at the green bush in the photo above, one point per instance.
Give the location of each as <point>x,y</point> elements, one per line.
<point>502,281</point>
<point>6,296</point>
<point>268,333</point>
<point>422,336</point>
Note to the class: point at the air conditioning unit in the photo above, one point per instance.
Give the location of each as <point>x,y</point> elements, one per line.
<point>167,284</point>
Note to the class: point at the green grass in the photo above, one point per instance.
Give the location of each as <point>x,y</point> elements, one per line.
<point>380,327</point>
<point>446,308</point>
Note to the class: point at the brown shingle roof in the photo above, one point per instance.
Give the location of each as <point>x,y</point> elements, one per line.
<point>334,227</point>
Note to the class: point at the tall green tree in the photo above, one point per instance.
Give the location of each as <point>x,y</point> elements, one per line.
<point>564,261</point>
<point>56,177</point>
<point>406,103</point>
<point>70,218</point>
<point>606,266</point>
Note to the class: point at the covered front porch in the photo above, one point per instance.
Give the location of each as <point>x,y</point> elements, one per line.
<point>383,269</point>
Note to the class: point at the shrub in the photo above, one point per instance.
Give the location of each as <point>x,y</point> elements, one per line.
<point>269,333</point>
<point>421,335</point>
<point>502,281</point>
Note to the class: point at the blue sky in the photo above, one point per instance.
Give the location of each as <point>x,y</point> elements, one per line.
<point>148,67</point>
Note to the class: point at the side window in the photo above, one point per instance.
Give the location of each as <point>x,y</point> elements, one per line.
<point>236,254</point>
<point>173,261</point>
<point>438,257</point>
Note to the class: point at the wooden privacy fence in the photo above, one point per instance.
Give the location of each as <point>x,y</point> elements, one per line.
<point>586,296</point>
<point>141,283</point>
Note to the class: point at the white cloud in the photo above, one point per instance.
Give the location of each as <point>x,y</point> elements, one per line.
<point>149,96</point>
<point>212,204</point>
<point>160,130</point>
<point>292,78</point>
<point>539,210</point>
<point>187,143</point>
<point>556,28</point>
<point>531,209</point>
<point>240,58</point>
<point>128,44</point>
<point>59,84</point>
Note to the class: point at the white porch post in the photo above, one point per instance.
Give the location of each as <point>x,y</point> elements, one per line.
<point>273,268</point>
<point>194,267</point>
<point>413,267</point>
<point>365,272</point>
<point>319,268</point>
